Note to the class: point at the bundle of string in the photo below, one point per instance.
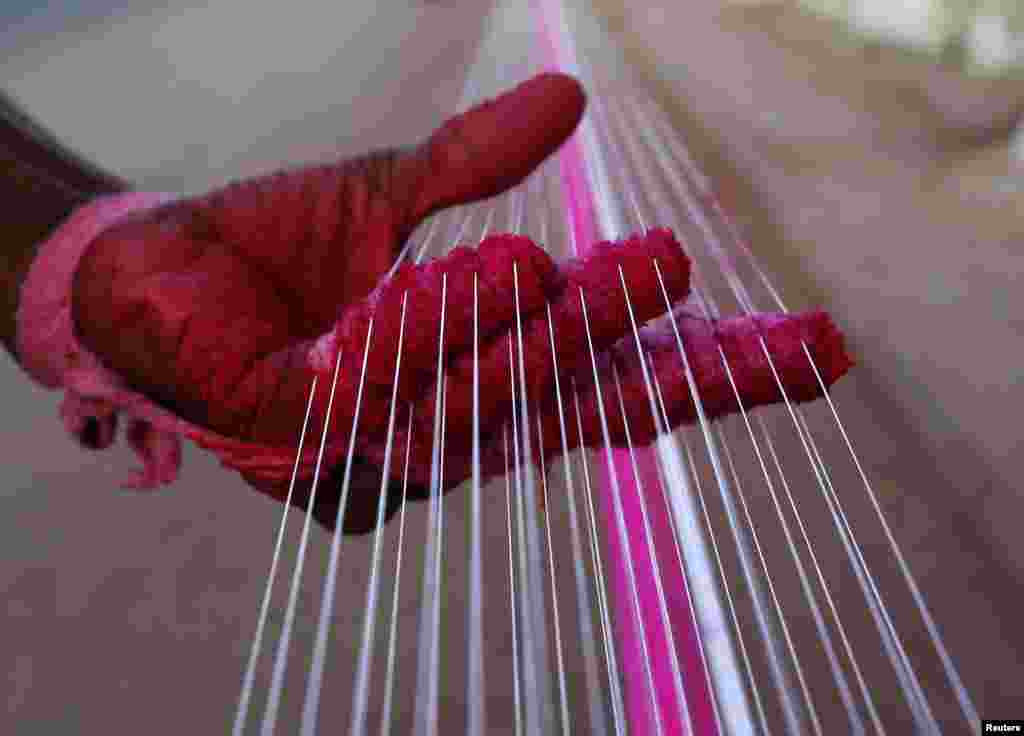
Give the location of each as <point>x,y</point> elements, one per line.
<point>663,644</point>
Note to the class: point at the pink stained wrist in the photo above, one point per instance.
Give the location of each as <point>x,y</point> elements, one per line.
<point>51,354</point>
<point>45,341</point>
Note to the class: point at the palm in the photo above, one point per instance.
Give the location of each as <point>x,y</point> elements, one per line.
<point>211,311</point>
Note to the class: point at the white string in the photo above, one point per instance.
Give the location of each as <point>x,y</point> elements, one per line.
<point>314,684</point>
<point>606,143</point>
<point>475,690</point>
<point>361,692</point>
<point>738,288</point>
<point>598,715</point>
<point>518,207</point>
<point>790,710</point>
<point>618,707</point>
<point>488,221</point>
<point>250,670</point>
<point>611,661</point>
<point>865,691</point>
<point>562,695</point>
<point>808,701</point>
<point>856,723</point>
<point>967,707</point>
<point>404,253</point>
<point>284,641</point>
<point>784,691</point>
<point>517,698</point>
<point>387,712</point>
<point>531,582</point>
<point>726,676</point>
<point>531,596</point>
<point>656,567</point>
<point>788,706</point>
<point>677,146</point>
<point>621,527</point>
<point>673,480</point>
<point>681,700</point>
<point>430,612</point>
<point>463,225</point>
<point>669,143</point>
<point>743,297</point>
<point>597,712</point>
<point>876,605</point>
<point>533,573</point>
<point>613,226</point>
<point>894,648</point>
<point>754,688</point>
<point>527,668</point>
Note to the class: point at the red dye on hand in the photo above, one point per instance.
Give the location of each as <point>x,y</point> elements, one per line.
<point>597,274</point>
<point>541,283</point>
<point>422,287</point>
<point>492,264</point>
<point>740,339</point>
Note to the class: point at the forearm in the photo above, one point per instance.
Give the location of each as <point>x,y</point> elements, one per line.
<point>41,183</point>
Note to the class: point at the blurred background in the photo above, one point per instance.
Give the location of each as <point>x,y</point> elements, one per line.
<point>869,154</point>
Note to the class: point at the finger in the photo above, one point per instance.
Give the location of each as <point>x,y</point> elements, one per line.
<point>611,281</point>
<point>159,452</point>
<point>598,276</point>
<point>740,340</point>
<point>424,290</point>
<point>496,144</point>
<point>93,423</point>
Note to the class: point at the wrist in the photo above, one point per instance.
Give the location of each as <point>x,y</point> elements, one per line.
<point>41,185</point>
<point>44,331</point>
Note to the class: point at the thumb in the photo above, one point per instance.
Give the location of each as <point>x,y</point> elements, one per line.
<point>496,144</point>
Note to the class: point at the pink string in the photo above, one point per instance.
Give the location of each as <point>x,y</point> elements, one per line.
<point>580,201</point>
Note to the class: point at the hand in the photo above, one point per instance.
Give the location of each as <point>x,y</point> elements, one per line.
<point>209,305</point>
<point>212,308</point>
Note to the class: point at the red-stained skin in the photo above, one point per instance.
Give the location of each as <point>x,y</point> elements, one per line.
<point>593,281</point>
<point>597,274</point>
<point>210,305</point>
<point>615,350</point>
